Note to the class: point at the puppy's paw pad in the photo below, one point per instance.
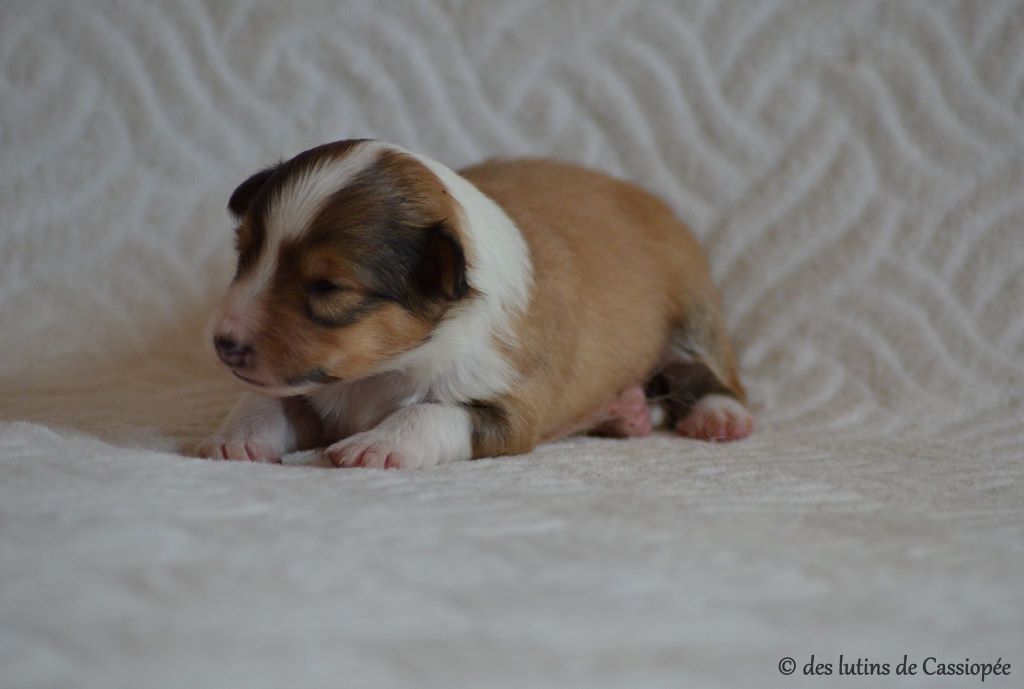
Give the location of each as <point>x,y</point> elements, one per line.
<point>717,418</point>
<point>238,450</point>
<point>368,453</point>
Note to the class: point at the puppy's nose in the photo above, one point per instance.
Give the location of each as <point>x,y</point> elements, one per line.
<point>231,352</point>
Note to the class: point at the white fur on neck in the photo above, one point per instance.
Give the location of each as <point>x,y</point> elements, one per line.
<point>461,360</point>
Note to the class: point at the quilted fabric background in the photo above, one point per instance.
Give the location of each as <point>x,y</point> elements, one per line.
<point>856,171</point>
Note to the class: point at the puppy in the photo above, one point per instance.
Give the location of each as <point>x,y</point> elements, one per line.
<point>401,315</point>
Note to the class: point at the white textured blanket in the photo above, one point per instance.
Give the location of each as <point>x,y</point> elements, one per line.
<point>856,171</point>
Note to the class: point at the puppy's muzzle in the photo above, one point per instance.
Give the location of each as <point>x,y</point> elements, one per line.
<point>232,353</point>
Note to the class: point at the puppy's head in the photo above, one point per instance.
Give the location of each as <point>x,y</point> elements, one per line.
<point>349,254</point>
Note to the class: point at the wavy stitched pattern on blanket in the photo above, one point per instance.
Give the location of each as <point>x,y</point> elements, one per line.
<point>855,170</point>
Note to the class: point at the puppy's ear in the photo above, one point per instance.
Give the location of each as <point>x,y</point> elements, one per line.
<point>241,198</point>
<point>443,270</point>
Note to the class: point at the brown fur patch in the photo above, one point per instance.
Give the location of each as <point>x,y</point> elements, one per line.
<point>345,353</point>
<point>615,273</point>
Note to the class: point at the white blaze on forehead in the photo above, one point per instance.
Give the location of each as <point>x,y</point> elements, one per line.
<point>291,210</point>
<point>294,205</point>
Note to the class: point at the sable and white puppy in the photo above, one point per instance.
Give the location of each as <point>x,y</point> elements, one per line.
<point>402,315</point>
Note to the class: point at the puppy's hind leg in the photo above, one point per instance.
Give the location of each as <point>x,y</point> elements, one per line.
<point>702,392</point>
<point>626,416</point>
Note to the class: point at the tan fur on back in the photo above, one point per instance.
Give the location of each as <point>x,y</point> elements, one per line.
<point>614,270</point>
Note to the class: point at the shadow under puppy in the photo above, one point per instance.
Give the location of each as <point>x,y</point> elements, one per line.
<point>403,315</point>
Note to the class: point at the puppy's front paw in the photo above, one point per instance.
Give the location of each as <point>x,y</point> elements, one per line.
<point>239,448</point>
<point>717,417</point>
<point>372,451</point>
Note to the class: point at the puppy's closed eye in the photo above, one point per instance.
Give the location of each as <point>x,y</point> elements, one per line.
<point>323,288</point>
<point>334,305</point>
